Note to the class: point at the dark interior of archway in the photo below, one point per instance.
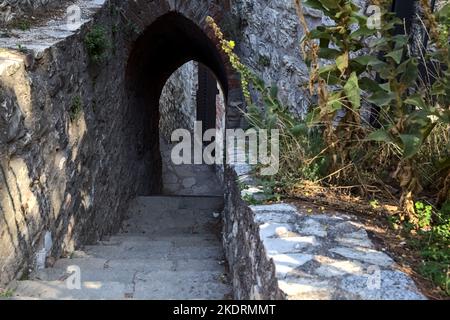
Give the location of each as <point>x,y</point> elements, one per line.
<point>167,44</point>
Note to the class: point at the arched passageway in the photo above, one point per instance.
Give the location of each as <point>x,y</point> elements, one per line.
<point>168,43</point>
<point>192,101</point>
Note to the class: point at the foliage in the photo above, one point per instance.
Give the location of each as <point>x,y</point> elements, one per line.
<point>24,25</point>
<point>410,108</point>
<point>75,109</point>
<point>434,244</point>
<point>6,293</point>
<point>353,69</point>
<point>300,146</point>
<point>97,44</point>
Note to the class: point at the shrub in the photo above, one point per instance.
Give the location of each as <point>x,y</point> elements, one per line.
<point>97,44</point>
<point>75,109</point>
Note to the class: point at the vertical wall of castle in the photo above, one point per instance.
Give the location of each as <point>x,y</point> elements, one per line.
<point>178,102</point>
<point>269,43</point>
<point>13,9</point>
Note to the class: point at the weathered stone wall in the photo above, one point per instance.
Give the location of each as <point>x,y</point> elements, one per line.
<point>12,9</point>
<point>64,170</point>
<point>252,272</point>
<point>178,102</point>
<point>269,43</point>
<point>76,142</point>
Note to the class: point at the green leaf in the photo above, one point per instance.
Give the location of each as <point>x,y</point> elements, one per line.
<point>274,92</point>
<point>327,53</point>
<point>299,130</point>
<point>334,102</point>
<point>369,84</point>
<point>342,62</point>
<point>411,145</point>
<point>416,100</point>
<point>381,98</point>
<point>380,135</point>
<point>318,33</point>
<point>444,14</point>
<point>410,73</point>
<point>386,86</point>
<point>315,4</point>
<point>400,40</point>
<point>327,69</point>
<point>363,31</point>
<point>367,60</point>
<point>397,55</point>
<point>330,4</point>
<point>313,117</point>
<point>353,91</point>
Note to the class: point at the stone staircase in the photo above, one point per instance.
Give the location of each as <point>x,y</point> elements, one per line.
<point>168,248</point>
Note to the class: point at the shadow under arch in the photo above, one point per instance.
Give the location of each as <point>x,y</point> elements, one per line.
<point>168,43</point>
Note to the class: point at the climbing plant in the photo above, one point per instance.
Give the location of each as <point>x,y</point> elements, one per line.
<point>386,73</point>
<point>382,117</point>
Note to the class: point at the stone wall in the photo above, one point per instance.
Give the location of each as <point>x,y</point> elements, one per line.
<point>178,102</point>
<point>70,151</point>
<point>252,272</point>
<point>12,9</point>
<point>269,43</point>
<point>79,138</point>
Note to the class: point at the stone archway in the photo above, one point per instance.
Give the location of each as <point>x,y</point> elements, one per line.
<point>166,44</point>
<point>101,146</point>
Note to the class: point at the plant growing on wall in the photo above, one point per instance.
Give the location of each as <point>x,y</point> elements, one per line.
<point>409,111</point>
<point>76,108</point>
<point>300,148</point>
<point>97,44</point>
<point>353,68</point>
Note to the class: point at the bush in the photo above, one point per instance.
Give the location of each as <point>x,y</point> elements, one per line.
<point>75,109</point>
<point>97,44</point>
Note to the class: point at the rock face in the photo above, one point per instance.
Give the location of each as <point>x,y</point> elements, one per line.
<point>79,136</point>
<point>10,9</point>
<point>270,45</point>
<point>178,101</point>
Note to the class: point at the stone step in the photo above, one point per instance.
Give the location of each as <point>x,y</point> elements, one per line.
<point>182,285</point>
<point>153,285</point>
<point>204,240</point>
<point>57,290</point>
<point>131,265</point>
<point>156,230</point>
<point>142,251</point>
<point>126,273</point>
<point>212,237</point>
<point>194,291</point>
<point>170,203</point>
<point>169,248</point>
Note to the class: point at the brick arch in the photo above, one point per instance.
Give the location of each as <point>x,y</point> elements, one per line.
<point>171,34</point>
<point>168,43</point>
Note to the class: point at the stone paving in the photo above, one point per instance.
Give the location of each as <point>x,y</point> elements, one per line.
<point>197,180</point>
<point>325,256</point>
